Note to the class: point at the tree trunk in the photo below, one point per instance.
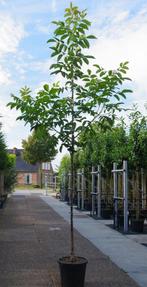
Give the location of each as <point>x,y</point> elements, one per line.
<point>137,190</point>
<point>71,204</point>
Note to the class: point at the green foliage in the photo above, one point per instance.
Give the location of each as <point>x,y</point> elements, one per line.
<point>39,147</point>
<point>64,167</point>
<point>138,139</point>
<point>7,165</point>
<point>3,152</point>
<point>71,108</point>
<point>10,173</point>
<point>103,146</point>
<point>11,160</point>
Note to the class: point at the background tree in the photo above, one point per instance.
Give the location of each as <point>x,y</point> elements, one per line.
<point>7,167</point>
<point>85,96</point>
<point>3,152</point>
<point>10,173</point>
<point>39,147</point>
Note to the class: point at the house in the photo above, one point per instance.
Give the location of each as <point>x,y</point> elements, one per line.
<point>29,174</point>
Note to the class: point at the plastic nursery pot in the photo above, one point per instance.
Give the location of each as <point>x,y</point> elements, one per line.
<point>107,213</point>
<point>72,272</point>
<point>137,225</point>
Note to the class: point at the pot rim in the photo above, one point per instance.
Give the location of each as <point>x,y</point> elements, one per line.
<point>80,260</point>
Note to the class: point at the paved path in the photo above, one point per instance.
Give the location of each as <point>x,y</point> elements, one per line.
<point>32,238</point>
<point>122,250</point>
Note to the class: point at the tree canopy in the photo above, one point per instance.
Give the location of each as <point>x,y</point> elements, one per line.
<point>138,139</point>
<point>39,147</point>
<point>84,97</point>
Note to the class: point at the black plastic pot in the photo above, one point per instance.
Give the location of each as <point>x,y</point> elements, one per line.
<point>121,220</point>
<point>72,272</point>
<point>87,205</point>
<point>106,213</point>
<point>144,213</point>
<point>137,225</point>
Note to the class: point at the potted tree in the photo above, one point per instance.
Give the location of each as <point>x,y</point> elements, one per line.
<point>68,110</point>
<point>138,160</point>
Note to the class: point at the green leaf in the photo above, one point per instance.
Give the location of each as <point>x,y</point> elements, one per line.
<point>84,26</point>
<point>85,60</point>
<point>86,43</point>
<point>53,48</point>
<point>102,73</point>
<point>123,71</point>
<point>56,22</point>
<point>86,22</point>
<point>91,37</point>
<point>54,54</point>
<point>55,72</point>
<point>59,31</point>
<point>82,44</point>
<point>51,40</point>
<point>80,30</point>
<point>59,57</point>
<point>64,37</point>
<point>46,87</point>
<point>127,91</point>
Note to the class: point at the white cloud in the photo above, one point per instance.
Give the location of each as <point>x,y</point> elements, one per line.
<point>43,28</point>
<point>3,2</point>
<point>8,117</point>
<point>54,6</point>
<point>125,40</point>
<point>13,130</point>
<point>121,17</point>
<point>5,78</point>
<point>11,34</point>
<point>42,66</point>
<point>26,10</point>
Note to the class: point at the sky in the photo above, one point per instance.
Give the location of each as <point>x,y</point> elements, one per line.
<point>25,27</point>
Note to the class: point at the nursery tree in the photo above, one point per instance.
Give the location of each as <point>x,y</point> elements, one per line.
<point>102,146</point>
<point>64,165</point>
<point>63,172</point>
<point>138,151</point>
<point>84,96</point>
<point>138,139</point>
